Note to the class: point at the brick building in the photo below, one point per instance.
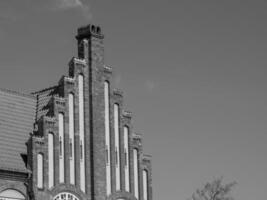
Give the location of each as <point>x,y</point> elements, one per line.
<point>73,141</point>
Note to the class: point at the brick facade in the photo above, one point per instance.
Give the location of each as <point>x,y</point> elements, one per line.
<point>52,101</point>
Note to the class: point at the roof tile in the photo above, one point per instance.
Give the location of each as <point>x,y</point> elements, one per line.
<point>17,114</point>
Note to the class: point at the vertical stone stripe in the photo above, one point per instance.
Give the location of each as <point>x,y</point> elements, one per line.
<point>50,160</point>
<point>71,139</point>
<point>61,147</point>
<point>136,175</point>
<point>81,130</point>
<point>145,181</point>
<point>117,145</point>
<point>40,171</point>
<point>107,139</point>
<point>126,153</point>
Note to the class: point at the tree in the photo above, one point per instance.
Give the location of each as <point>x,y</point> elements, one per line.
<point>214,190</point>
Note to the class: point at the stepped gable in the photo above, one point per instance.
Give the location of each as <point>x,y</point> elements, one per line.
<point>83,145</point>
<point>16,123</point>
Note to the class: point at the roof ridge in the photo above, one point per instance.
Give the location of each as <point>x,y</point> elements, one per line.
<point>44,90</point>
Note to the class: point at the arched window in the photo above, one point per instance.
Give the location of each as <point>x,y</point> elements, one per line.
<point>40,170</point>
<point>11,194</point>
<point>65,196</point>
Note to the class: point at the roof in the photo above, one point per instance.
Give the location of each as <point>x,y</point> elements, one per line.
<point>17,116</point>
<point>43,98</point>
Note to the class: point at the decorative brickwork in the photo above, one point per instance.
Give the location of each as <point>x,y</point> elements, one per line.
<point>88,135</point>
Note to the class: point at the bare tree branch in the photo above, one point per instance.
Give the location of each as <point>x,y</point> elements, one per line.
<point>214,190</point>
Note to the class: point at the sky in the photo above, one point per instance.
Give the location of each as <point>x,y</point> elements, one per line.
<point>193,74</point>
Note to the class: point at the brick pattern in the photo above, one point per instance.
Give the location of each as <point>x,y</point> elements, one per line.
<point>54,100</point>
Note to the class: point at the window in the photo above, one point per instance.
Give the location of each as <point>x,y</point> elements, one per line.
<point>65,196</point>
<point>60,146</point>
<point>71,153</point>
<point>11,194</point>
<point>107,156</point>
<point>81,150</point>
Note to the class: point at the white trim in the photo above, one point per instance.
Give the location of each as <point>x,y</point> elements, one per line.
<point>136,174</point>
<point>126,153</point>
<point>50,160</point>
<point>40,170</point>
<point>61,147</point>
<point>71,138</point>
<point>145,184</point>
<point>117,146</point>
<point>80,60</point>
<point>107,139</point>
<point>81,130</point>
